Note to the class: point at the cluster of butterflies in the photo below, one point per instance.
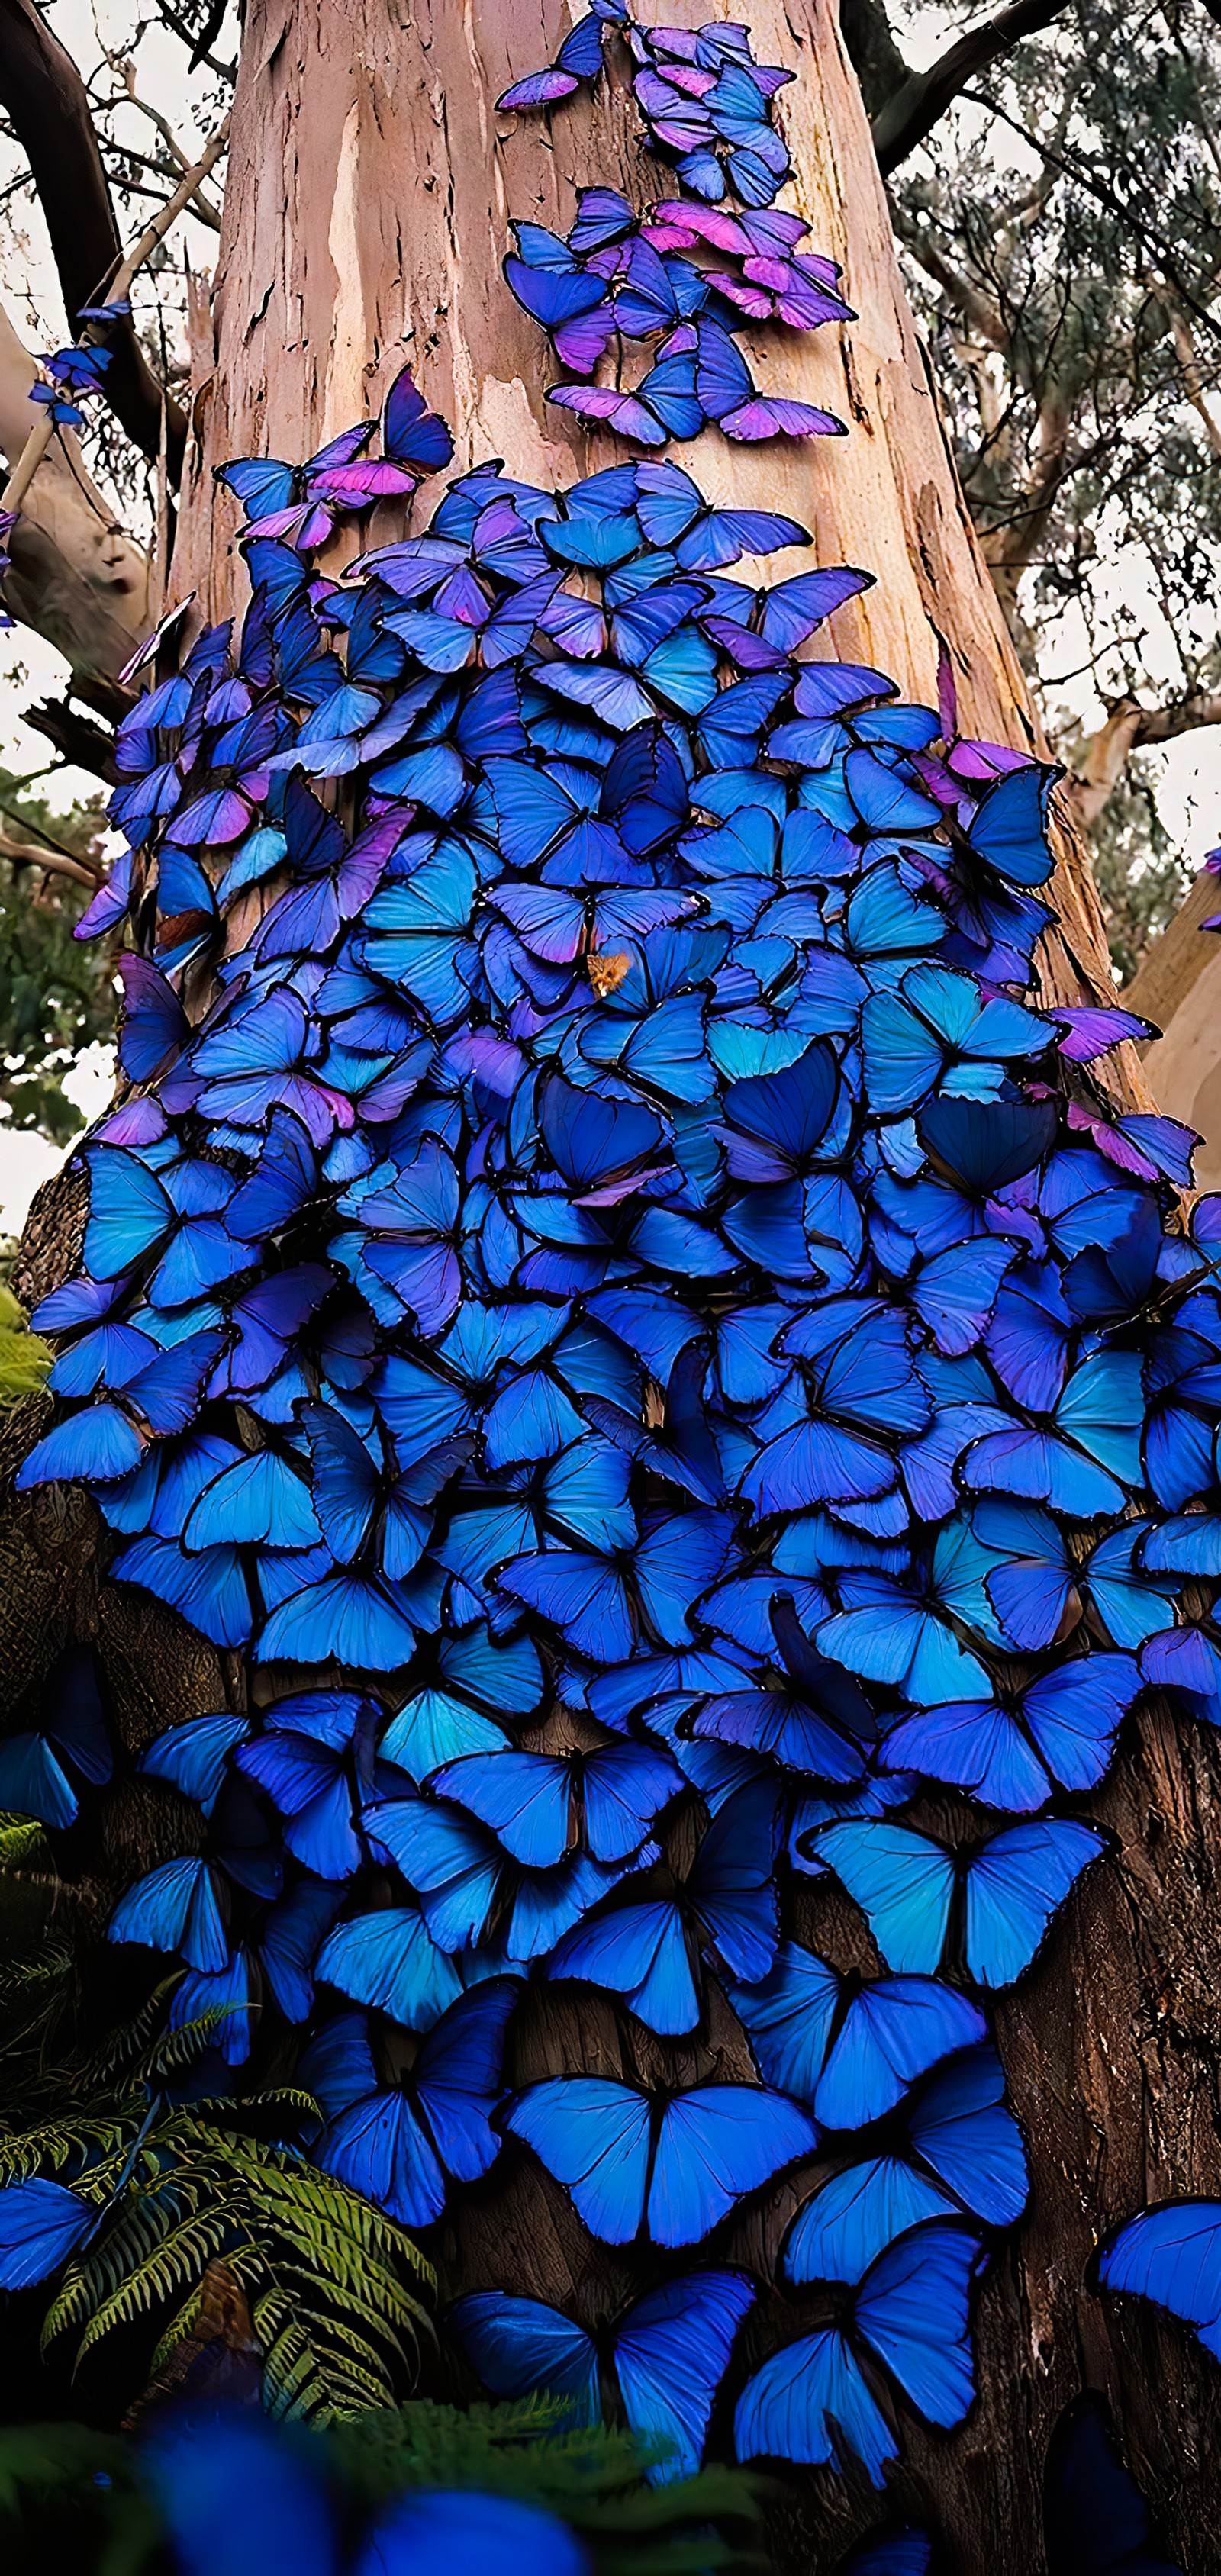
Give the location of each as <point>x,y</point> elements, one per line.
<point>661,1358</point>
<point>616,277</point>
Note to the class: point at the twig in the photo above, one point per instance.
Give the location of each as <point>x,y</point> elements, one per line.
<point>22,854</point>
<point>91,337</point>
<point>29,825</point>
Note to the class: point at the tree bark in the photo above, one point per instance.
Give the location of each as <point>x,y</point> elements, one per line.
<point>370,182</point>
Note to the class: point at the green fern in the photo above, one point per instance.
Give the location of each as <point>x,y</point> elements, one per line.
<point>337,2293</point>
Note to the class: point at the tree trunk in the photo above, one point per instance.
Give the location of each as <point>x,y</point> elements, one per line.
<point>369,188</point>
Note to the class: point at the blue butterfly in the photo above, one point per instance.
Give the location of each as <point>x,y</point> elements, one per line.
<point>1173,2256</point>
<point>39,1769</point>
<point>388,1960</point>
<point>1095,2520</point>
<point>850,2055</point>
<point>397,2147</point>
<point>640,1946</point>
<point>41,2222</point>
<point>674,2165</point>
<point>669,2354</point>
<point>194,1756</point>
<point>530,1800</point>
<point>1013,1884</point>
<point>1060,1730</point>
<point>178,1908</point>
<point>812,2403</point>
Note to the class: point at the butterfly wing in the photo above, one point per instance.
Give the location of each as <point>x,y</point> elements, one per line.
<point>1173,2256</point>
<point>716,2144</point>
<point>840,2233</point>
<point>457,2077</point>
<point>903,1884</point>
<point>594,2137</point>
<point>894,2030</point>
<point>520,2348</point>
<point>810,2403</point>
<point>913,2311</point>
<point>788,2019</point>
<point>961,2127</point>
<point>40,2224</point>
<point>1015,1883</point>
<point>671,2354</point>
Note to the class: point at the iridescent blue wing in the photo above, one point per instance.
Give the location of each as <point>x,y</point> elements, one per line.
<point>671,2353</point>
<point>894,2030</point>
<point>290,1938</point>
<point>154,1026</point>
<point>413,433</point>
<point>640,1951</point>
<point>841,2231</point>
<point>716,2145</point>
<point>788,2018</point>
<point>810,2403</point>
<point>732,1880</point>
<point>379,2149</point>
<point>345,1617</point>
<point>524,1798</point>
<point>624,1787</point>
<point>595,2137</point>
<point>40,2224</point>
<point>1015,1884</point>
<point>1009,825</point>
<point>582,1595</point>
<point>963,2130</point>
<point>913,2310</point>
<point>902,1882</point>
<point>520,2348</point>
<point>388,1960</point>
<point>175,1907</point>
<point>457,2077</point>
<point>194,1756</point>
<point>1173,2256</point>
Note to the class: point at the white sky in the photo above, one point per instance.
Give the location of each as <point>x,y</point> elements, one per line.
<point>1191,768</point>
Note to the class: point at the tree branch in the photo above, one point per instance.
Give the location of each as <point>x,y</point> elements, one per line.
<point>872,51</point>
<point>43,94</point>
<point>1130,728</point>
<point>974,308</point>
<point>92,334</point>
<point>916,107</point>
<point>22,854</point>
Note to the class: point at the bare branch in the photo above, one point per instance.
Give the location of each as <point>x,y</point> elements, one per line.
<point>42,92</point>
<point>1130,728</point>
<point>42,433</point>
<point>917,107</point>
<point>22,854</point>
<point>872,51</point>
<point>1192,373</point>
<point>979,316</point>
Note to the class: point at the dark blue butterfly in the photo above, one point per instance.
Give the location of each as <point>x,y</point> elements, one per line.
<point>669,2354</point>
<point>1095,2520</point>
<point>812,2402</point>
<point>398,2146</point>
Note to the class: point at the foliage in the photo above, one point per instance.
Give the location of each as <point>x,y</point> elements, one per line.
<point>56,997</point>
<point>1062,233</point>
<point>67,2486</point>
<point>182,2178</point>
<point>1141,874</point>
<point>24,1359</point>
